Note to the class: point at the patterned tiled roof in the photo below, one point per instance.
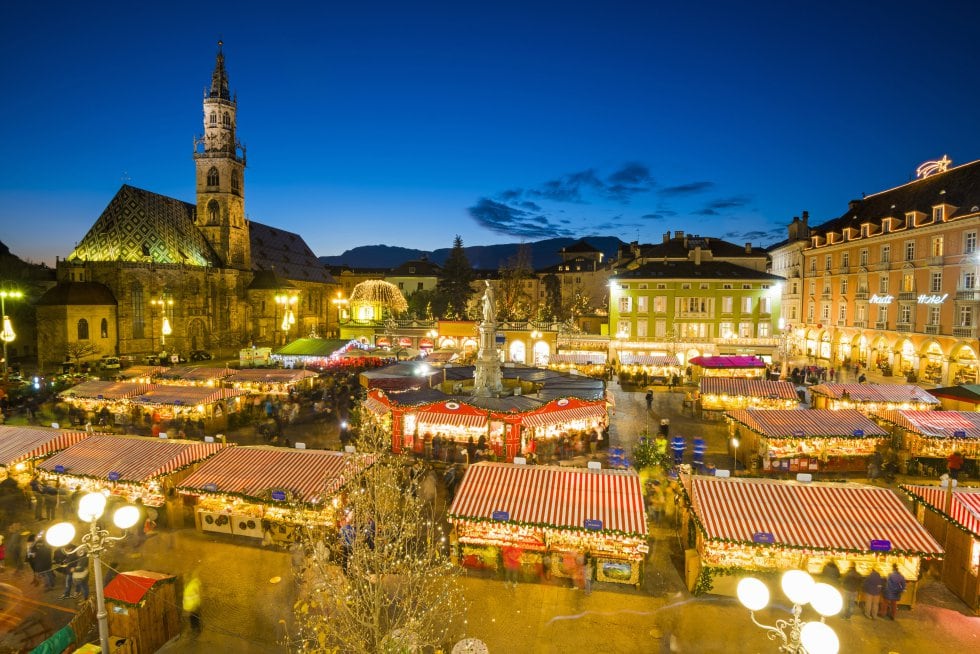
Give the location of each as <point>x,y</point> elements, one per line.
<point>139,225</point>
<point>287,254</point>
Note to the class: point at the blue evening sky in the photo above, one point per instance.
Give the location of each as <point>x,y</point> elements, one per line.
<point>407,123</point>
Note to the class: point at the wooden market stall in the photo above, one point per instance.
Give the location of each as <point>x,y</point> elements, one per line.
<point>958,398</point>
<point>719,394</point>
<point>275,381</point>
<point>22,447</point>
<point>728,366</point>
<point>740,525</point>
<point>954,520</point>
<point>132,467</point>
<point>558,511</point>
<point>195,375</point>
<point>797,440</point>
<point>270,492</point>
<point>171,402</point>
<point>144,374</point>
<point>929,437</point>
<point>567,416</point>
<point>144,609</point>
<point>592,364</point>
<point>646,369</point>
<point>871,398</point>
<point>93,396</point>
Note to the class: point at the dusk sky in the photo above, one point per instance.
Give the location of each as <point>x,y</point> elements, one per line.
<point>407,123</point>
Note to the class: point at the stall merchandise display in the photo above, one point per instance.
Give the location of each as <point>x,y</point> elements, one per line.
<point>936,434</point>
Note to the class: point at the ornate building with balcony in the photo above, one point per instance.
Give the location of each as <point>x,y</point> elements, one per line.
<point>892,283</point>
<point>182,275</point>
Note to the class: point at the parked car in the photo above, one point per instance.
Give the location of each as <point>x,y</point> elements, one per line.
<point>201,355</point>
<point>109,362</point>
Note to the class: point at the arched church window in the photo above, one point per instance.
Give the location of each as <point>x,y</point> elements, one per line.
<point>137,322</point>
<point>82,329</point>
<point>213,176</point>
<point>236,183</point>
<point>214,118</point>
<point>214,213</point>
<point>104,328</point>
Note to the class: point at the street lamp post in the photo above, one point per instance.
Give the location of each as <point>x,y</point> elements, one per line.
<point>734,455</point>
<point>165,304</point>
<point>288,317</point>
<point>7,335</point>
<point>340,305</point>
<point>795,635</point>
<point>91,507</point>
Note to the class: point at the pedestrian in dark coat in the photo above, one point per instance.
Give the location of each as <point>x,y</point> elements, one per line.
<point>872,594</point>
<point>894,587</point>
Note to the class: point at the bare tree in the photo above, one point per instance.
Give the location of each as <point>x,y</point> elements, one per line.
<point>388,585</point>
<point>79,349</point>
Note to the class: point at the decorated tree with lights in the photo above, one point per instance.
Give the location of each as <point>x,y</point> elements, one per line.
<point>454,283</point>
<point>400,592</point>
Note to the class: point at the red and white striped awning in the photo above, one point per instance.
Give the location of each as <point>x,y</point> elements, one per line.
<point>186,395</point>
<point>105,390</point>
<point>579,358</point>
<point>936,424</point>
<point>375,405</point>
<point>556,415</point>
<point>964,509</point>
<point>881,393</point>
<point>659,360</point>
<point>550,496</point>
<point>309,475</point>
<point>25,443</point>
<point>842,517</point>
<point>199,373</point>
<point>741,387</point>
<point>271,376</point>
<point>798,423</point>
<point>142,371</point>
<point>136,459</point>
<point>455,414</point>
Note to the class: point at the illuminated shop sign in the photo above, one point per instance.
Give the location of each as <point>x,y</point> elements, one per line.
<point>921,299</point>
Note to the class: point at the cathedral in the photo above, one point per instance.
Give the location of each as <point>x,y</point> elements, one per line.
<point>156,274</point>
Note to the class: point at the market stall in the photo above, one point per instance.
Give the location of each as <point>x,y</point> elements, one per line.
<point>719,394</point>
<point>958,398</point>
<point>872,398</point>
<point>452,421</point>
<point>269,492</point>
<point>646,369</point>
<point>318,353</point>
<point>555,511</point>
<point>740,525</point>
<point>92,397</point>
<point>592,364</point>
<point>728,366</point>
<point>795,440</point>
<point>144,374</point>
<point>195,375</point>
<point>954,520</point>
<point>132,467</point>
<point>929,437</point>
<point>567,416</point>
<point>21,448</point>
<point>171,402</point>
<point>275,381</point>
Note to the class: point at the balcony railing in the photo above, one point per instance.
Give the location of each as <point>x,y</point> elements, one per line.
<point>844,270</point>
<point>906,296</point>
<point>825,295</point>
<point>903,327</point>
<point>881,265</point>
<point>932,329</point>
<point>860,324</point>
<point>971,295</point>
<point>861,295</point>
<point>881,325</point>
<point>842,323</point>
<point>965,332</point>
<point>934,261</point>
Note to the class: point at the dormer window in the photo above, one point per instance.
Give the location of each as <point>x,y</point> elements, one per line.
<point>938,214</point>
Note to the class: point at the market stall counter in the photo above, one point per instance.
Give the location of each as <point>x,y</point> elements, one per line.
<point>270,493</point>
<point>871,398</point>
<point>550,515</point>
<point>953,518</point>
<point>132,467</point>
<point>796,440</point>
<point>739,525</point>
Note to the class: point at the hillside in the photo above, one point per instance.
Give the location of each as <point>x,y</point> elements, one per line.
<point>543,253</point>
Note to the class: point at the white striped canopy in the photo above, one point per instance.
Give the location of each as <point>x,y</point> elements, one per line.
<point>797,423</point>
<point>579,358</point>
<point>142,371</point>
<point>887,393</point>
<point>964,509</point>
<point>270,375</point>
<point>24,443</point>
<point>107,390</point>
<point>555,413</point>
<point>741,387</point>
<point>135,458</point>
<point>551,496</point>
<point>627,359</point>
<point>456,414</point>
<point>936,424</point>
<point>201,373</point>
<point>838,517</point>
<point>253,471</point>
<point>186,395</point>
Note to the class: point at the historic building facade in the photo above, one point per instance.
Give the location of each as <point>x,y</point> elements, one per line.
<point>892,283</point>
<point>185,275</point>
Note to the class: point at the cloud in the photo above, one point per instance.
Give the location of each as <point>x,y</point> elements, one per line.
<point>757,235</point>
<point>568,188</point>
<point>513,221</point>
<point>630,179</point>
<point>729,203</point>
<point>654,216</point>
<point>687,189</point>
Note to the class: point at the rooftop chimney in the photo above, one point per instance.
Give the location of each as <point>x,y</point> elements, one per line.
<point>697,255</point>
<point>748,248</point>
<point>666,236</point>
<point>679,233</point>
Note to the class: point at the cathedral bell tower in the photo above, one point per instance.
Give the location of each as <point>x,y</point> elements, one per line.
<point>220,162</point>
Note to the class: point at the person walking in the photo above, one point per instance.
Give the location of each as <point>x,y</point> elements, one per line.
<point>42,563</point>
<point>955,464</point>
<point>894,587</point>
<point>192,604</point>
<point>649,398</point>
<point>851,584</point>
<point>80,579</point>
<point>872,594</point>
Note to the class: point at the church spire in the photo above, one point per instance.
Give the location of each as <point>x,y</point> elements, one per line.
<point>219,78</point>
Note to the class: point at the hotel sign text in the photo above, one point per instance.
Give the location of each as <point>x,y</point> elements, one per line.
<point>922,299</point>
